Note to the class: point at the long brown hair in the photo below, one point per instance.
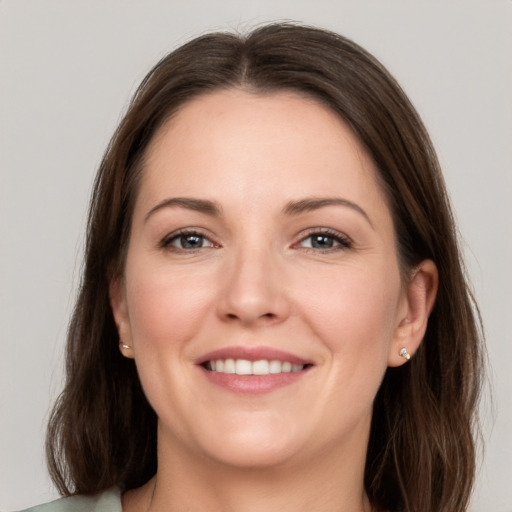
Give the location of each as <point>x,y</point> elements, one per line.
<point>421,454</point>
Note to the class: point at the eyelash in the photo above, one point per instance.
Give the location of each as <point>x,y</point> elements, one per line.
<point>166,243</point>
<point>343,242</point>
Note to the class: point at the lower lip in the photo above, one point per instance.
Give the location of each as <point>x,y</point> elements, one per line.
<point>253,384</point>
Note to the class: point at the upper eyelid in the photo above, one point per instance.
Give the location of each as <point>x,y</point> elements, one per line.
<point>167,239</point>
<point>344,242</point>
<point>325,231</point>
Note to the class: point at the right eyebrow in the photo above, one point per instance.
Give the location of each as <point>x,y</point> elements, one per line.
<point>190,203</point>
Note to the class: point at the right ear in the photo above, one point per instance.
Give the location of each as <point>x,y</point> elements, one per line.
<point>117,296</point>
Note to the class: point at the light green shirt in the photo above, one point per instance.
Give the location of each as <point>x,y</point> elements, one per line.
<point>108,501</point>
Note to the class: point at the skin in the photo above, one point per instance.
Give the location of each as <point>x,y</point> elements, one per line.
<point>257,278</point>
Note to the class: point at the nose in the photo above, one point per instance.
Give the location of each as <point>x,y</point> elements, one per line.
<point>253,290</point>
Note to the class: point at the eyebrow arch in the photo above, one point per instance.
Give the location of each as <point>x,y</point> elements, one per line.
<point>310,204</point>
<point>190,203</point>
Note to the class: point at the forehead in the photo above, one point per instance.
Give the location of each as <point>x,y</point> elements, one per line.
<point>270,119</point>
<point>254,145</point>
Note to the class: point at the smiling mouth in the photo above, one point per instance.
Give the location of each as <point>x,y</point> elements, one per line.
<point>247,367</point>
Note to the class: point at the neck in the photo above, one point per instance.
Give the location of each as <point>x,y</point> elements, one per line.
<point>198,484</point>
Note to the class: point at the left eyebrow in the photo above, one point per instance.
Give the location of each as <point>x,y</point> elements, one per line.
<point>313,203</point>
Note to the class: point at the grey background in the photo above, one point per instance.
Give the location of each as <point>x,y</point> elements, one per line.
<point>67,70</point>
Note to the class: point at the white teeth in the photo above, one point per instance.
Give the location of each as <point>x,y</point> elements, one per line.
<point>243,367</point>
<point>287,367</point>
<point>275,367</point>
<point>223,366</point>
<point>260,367</point>
<point>229,366</point>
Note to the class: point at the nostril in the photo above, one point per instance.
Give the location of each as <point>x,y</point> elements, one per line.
<point>268,316</point>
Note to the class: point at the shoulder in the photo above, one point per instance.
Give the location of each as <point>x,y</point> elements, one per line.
<point>108,501</point>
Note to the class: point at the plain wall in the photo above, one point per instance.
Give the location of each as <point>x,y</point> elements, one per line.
<point>67,70</point>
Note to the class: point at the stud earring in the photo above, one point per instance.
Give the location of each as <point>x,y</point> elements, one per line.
<point>405,354</point>
<point>126,350</point>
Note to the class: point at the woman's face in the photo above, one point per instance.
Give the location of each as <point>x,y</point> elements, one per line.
<point>261,244</point>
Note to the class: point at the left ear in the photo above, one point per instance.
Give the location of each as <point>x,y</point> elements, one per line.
<point>418,301</point>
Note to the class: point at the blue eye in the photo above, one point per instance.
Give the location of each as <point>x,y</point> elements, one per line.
<point>187,241</point>
<point>325,241</point>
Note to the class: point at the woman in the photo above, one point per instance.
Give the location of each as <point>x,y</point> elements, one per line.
<point>273,312</point>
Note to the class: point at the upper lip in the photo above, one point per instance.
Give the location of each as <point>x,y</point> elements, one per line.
<point>252,354</point>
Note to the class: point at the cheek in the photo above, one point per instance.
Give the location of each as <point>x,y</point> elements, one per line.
<point>165,307</point>
<point>354,311</point>
<point>166,311</point>
<point>354,316</point>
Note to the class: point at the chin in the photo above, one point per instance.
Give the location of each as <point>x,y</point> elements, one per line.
<point>251,457</point>
<point>261,444</point>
